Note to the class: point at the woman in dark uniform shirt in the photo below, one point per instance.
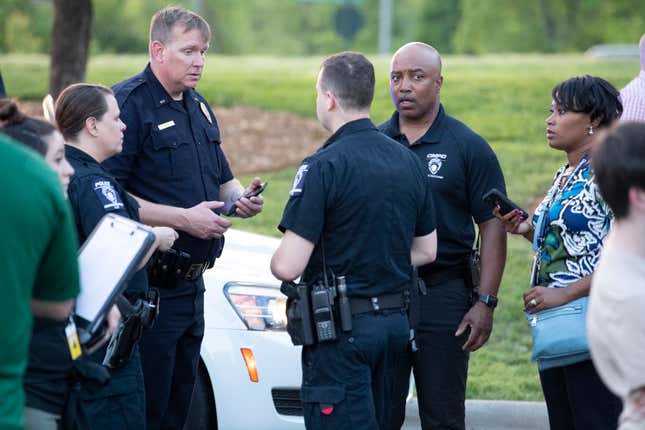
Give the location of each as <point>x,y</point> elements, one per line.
<point>88,117</point>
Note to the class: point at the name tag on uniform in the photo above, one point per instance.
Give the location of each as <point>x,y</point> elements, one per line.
<point>166,125</point>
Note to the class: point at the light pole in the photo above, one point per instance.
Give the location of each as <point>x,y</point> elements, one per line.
<point>385,27</point>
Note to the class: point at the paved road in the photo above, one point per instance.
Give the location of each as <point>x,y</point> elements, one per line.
<point>492,415</point>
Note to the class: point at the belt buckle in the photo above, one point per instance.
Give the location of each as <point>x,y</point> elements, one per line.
<point>194,271</point>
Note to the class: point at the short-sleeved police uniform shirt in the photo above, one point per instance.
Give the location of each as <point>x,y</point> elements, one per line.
<point>171,152</point>
<point>37,261</point>
<point>366,197</point>
<point>462,168</point>
<point>93,193</point>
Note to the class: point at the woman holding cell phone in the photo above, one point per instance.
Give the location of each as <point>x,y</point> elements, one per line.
<point>567,231</point>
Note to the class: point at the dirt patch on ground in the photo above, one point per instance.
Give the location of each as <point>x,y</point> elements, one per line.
<point>255,140</point>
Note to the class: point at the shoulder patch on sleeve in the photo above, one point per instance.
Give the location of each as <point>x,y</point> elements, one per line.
<point>108,196</point>
<point>299,181</point>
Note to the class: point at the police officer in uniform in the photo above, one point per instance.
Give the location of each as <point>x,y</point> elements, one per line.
<point>173,165</point>
<point>88,117</point>
<point>462,167</point>
<point>361,208</point>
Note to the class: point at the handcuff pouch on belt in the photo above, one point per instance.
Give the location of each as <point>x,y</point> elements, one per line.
<point>135,319</point>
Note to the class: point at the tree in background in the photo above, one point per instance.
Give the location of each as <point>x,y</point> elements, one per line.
<point>306,27</point>
<point>546,25</point>
<point>70,43</point>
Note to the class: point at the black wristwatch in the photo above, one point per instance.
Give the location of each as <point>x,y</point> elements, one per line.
<point>488,299</point>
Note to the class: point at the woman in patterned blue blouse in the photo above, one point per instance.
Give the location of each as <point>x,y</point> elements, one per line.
<point>567,230</point>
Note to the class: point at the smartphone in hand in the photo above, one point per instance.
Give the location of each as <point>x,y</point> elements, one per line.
<point>230,210</point>
<point>494,197</point>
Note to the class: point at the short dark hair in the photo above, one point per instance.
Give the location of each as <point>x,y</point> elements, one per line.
<point>78,102</point>
<point>166,19</point>
<point>590,95</point>
<point>619,164</point>
<point>350,76</point>
<point>24,129</point>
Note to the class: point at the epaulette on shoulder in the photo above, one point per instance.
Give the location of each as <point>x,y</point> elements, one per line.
<point>122,90</point>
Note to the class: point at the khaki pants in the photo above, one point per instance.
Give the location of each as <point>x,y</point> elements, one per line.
<point>36,419</point>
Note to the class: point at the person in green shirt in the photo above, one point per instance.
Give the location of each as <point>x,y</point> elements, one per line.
<point>38,265</point>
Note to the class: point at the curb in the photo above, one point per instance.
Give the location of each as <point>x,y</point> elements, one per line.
<point>491,415</point>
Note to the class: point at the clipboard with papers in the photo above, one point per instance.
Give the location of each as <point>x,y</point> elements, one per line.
<point>107,261</point>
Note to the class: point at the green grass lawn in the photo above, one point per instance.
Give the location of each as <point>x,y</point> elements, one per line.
<point>504,98</point>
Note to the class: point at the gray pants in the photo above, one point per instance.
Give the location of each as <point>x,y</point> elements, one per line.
<point>36,419</point>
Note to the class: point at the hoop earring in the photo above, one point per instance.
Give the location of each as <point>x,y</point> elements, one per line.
<point>590,131</point>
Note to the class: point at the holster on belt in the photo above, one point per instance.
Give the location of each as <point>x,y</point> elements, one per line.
<point>299,314</point>
<point>135,319</point>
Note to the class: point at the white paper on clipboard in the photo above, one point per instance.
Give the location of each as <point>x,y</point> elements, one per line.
<point>107,260</point>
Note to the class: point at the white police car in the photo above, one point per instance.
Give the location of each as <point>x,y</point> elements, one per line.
<point>249,372</point>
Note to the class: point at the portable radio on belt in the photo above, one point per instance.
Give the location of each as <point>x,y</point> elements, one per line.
<point>322,307</point>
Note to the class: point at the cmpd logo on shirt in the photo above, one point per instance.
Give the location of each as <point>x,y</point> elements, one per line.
<point>435,161</point>
<point>107,195</point>
<point>299,180</point>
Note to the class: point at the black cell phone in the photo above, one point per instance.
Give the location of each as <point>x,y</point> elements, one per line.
<point>230,211</point>
<point>495,197</point>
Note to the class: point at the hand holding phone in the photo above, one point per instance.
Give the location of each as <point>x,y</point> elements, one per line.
<point>494,197</point>
<point>230,210</point>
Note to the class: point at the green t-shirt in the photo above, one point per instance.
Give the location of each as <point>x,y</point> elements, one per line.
<point>37,260</point>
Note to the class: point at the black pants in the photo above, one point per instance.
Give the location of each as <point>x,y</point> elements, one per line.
<point>440,365</point>
<point>170,355</point>
<point>347,384</point>
<point>119,404</point>
<point>577,399</point>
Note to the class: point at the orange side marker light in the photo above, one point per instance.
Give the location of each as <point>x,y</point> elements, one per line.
<point>251,367</point>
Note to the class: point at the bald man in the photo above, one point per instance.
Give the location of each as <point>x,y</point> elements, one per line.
<point>462,167</point>
<point>633,95</point>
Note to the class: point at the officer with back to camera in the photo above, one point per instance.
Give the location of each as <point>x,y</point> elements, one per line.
<point>362,205</point>
<point>172,163</point>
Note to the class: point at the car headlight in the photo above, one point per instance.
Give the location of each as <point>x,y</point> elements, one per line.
<point>260,307</point>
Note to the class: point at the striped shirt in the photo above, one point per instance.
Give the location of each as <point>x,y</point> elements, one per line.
<point>633,98</point>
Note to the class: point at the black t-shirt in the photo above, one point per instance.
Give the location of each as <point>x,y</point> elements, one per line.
<point>462,168</point>
<point>366,197</point>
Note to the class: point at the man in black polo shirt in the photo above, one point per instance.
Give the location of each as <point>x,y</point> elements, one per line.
<point>461,167</point>
<point>362,204</point>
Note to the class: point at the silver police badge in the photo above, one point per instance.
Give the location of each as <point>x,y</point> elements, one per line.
<point>435,161</point>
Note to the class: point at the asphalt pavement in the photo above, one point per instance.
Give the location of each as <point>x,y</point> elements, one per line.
<point>491,415</point>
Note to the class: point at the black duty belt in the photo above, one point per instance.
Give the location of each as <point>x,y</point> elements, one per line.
<point>362,305</point>
<point>177,264</point>
<point>439,276</point>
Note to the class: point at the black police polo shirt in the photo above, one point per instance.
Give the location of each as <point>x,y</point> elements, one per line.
<point>93,192</point>
<point>462,168</point>
<point>364,197</point>
<point>171,152</point>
